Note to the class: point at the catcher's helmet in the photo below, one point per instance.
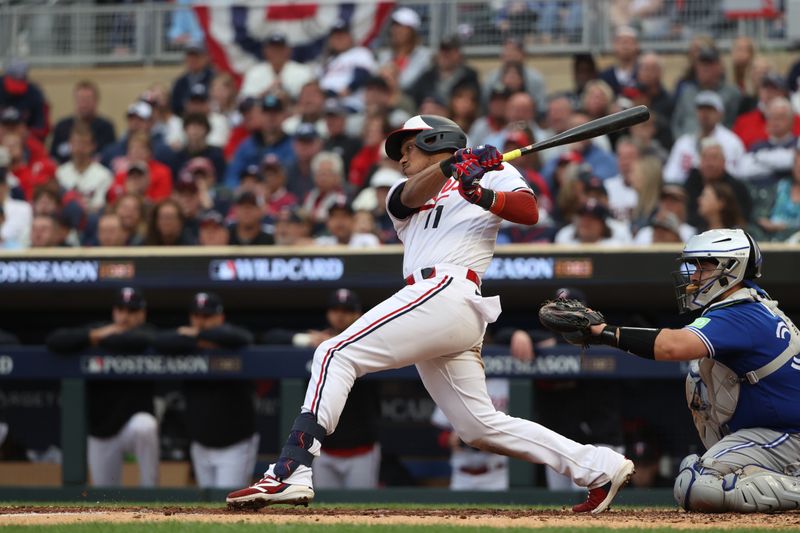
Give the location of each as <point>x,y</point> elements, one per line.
<point>434,134</point>
<point>738,258</point>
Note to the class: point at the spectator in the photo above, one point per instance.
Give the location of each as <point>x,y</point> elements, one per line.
<point>646,180</point>
<point>382,96</point>
<point>327,169</point>
<point>29,173</point>
<point>513,51</point>
<point>560,108</point>
<point>584,69</point>
<point>140,156</point>
<point>374,133</point>
<point>622,194</point>
<point>351,456</point>
<point>596,102</point>
<point>140,120</point>
<point>196,129</point>
<point>167,226</point>
<point>86,96</point>
<point>644,137</point>
<point>717,207</point>
<point>710,77</point>
<point>672,201</point>
<point>198,103</point>
<point>11,123</point>
<point>17,214</point>
<point>751,127</point>
<point>89,179</point>
<point>184,28</point>
<point>339,141</point>
<point>198,70</point>
<point>220,415</point>
<point>340,229</point>
<point>309,109</point>
<point>592,227</point>
<point>346,67</point>
<point>464,105</point>
<point>493,122</point>
<point>520,112</point>
<point>649,84</point>
<point>664,228</point>
<point>373,200</point>
<point>447,72</point>
<point>247,230</point>
<point>45,231</point>
<point>684,155</point>
<point>120,413</point>
<point>645,451</point>
<point>212,194</point>
<point>306,144</point>
<point>743,53</point>
<point>278,72</point>
<point>626,52</point>
<point>270,138</point>
<point>166,125</point>
<point>603,163</point>
<point>132,213</point>
<point>17,91</point>
<point>250,112</point>
<point>784,219</point>
<point>761,67</point>
<point>187,195</point>
<point>292,228</point>
<point>698,42</point>
<point>712,169</point>
<point>771,159</point>
<point>223,94</point>
<point>276,195</point>
<point>406,57</point>
<point>110,231</point>
<point>213,231</point>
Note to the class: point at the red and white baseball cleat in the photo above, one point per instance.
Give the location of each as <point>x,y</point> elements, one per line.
<point>600,498</point>
<point>268,491</point>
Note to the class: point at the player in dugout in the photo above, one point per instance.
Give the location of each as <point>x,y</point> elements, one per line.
<point>220,415</point>
<point>447,213</point>
<point>121,417</point>
<point>743,380</point>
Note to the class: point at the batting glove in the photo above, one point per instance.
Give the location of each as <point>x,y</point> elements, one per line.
<point>488,156</point>
<point>468,173</point>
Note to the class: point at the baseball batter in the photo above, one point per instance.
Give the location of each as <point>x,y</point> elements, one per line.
<point>447,213</point>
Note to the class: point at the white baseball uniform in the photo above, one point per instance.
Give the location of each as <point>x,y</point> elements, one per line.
<point>437,323</point>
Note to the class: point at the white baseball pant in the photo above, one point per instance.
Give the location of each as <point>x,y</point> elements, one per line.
<point>231,466</point>
<point>138,436</point>
<point>438,324</point>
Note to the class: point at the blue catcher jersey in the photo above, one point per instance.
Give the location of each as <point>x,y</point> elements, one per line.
<point>744,336</point>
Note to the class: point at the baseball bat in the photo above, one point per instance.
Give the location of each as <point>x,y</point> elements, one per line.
<point>594,128</point>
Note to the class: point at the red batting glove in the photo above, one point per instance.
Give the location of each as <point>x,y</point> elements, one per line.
<point>489,157</point>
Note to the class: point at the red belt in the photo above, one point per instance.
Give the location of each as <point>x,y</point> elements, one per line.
<point>349,452</point>
<point>430,272</point>
<point>478,470</point>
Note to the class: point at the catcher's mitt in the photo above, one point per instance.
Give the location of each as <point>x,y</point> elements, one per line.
<point>571,319</point>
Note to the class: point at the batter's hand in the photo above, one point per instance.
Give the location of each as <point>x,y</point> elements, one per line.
<point>468,173</point>
<point>488,156</point>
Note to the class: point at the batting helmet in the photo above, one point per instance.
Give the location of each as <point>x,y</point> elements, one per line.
<point>434,134</point>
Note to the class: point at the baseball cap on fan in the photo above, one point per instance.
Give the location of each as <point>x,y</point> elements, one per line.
<point>709,99</point>
<point>407,17</point>
<point>129,298</point>
<point>206,303</point>
<point>344,299</point>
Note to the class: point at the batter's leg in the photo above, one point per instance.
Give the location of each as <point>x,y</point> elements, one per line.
<point>458,386</point>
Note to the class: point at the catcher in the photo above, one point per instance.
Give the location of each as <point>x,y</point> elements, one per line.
<point>744,379</point>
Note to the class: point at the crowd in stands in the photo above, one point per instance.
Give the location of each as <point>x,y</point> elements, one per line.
<point>294,154</point>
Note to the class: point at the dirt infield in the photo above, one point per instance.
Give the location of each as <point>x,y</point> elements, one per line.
<point>499,518</point>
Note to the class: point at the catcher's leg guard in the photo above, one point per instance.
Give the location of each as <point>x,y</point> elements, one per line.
<point>299,448</point>
<point>748,490</point>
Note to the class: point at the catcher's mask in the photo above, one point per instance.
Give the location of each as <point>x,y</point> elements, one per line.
<point>725,257</point>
